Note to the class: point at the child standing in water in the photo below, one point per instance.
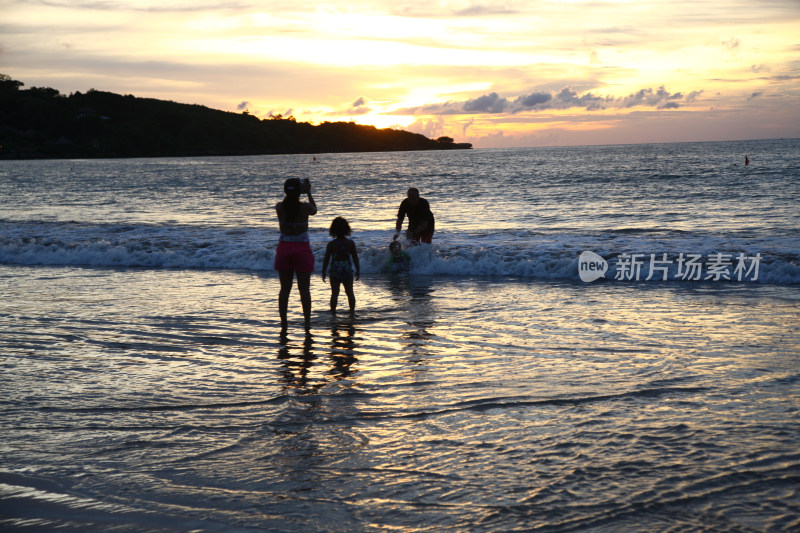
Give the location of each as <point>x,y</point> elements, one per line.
<point>341,250</point>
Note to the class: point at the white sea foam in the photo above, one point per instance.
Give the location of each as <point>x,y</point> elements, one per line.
<point>553,256</point>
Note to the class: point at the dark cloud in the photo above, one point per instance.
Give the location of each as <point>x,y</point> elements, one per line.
<point>534,99</point>
<point>242,106</point>
<point>445,108</point>
<point>692,96</point>
<point>648,97</point>
<point>286,114</point>
<point>359,107</point>
<point>566,98</point>
<point>490,103</point>
<point>783,77</point>
<point>363,110</point>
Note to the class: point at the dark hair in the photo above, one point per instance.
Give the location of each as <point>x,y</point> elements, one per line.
<point>291,203</point>
<point>340,228</point>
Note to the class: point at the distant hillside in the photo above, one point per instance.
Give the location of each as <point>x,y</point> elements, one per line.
<point>42,123</point>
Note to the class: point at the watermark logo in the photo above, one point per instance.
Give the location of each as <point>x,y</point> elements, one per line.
<point>685,267</point>
<point>591,266</point>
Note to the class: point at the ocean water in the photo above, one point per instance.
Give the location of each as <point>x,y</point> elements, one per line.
<point>145,387</point>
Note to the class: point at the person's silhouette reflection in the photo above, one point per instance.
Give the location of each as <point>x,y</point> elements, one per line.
<point>343,349</point>
<point>414,295</point>
<point>296,368</point>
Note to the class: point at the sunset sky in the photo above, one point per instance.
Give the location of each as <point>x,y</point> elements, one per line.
<point>497,74</point>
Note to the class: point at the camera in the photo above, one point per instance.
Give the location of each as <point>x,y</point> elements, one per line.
<point>306,185</point>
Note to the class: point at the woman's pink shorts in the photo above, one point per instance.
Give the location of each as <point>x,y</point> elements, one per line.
<point>295,256</point>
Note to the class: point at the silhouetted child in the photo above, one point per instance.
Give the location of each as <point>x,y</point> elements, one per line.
<point>338,254</point>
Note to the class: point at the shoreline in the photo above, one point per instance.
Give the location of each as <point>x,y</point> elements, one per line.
<point>67,157</point>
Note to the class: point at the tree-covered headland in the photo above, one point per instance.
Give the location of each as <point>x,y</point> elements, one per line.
<point>43,123</point>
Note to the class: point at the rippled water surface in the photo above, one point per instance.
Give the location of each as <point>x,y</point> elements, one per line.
<point>144,385</point>
<point>163,400</point>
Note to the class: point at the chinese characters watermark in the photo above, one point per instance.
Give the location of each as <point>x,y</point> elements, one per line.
<point>660,267</point>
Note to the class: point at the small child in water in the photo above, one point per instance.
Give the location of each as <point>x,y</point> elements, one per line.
<point>338,254</point>
<point>399,261</point>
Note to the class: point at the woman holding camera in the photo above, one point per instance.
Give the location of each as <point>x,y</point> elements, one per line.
<point>294,255</point>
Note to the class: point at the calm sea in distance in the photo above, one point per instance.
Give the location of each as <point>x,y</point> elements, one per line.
<point>598,339</point>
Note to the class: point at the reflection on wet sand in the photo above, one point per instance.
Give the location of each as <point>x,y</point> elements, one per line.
<point>343,346</point>
<point>308,366</point>
<point>415,295</point>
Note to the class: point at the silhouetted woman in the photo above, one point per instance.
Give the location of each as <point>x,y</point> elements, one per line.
<point>294,255</point>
